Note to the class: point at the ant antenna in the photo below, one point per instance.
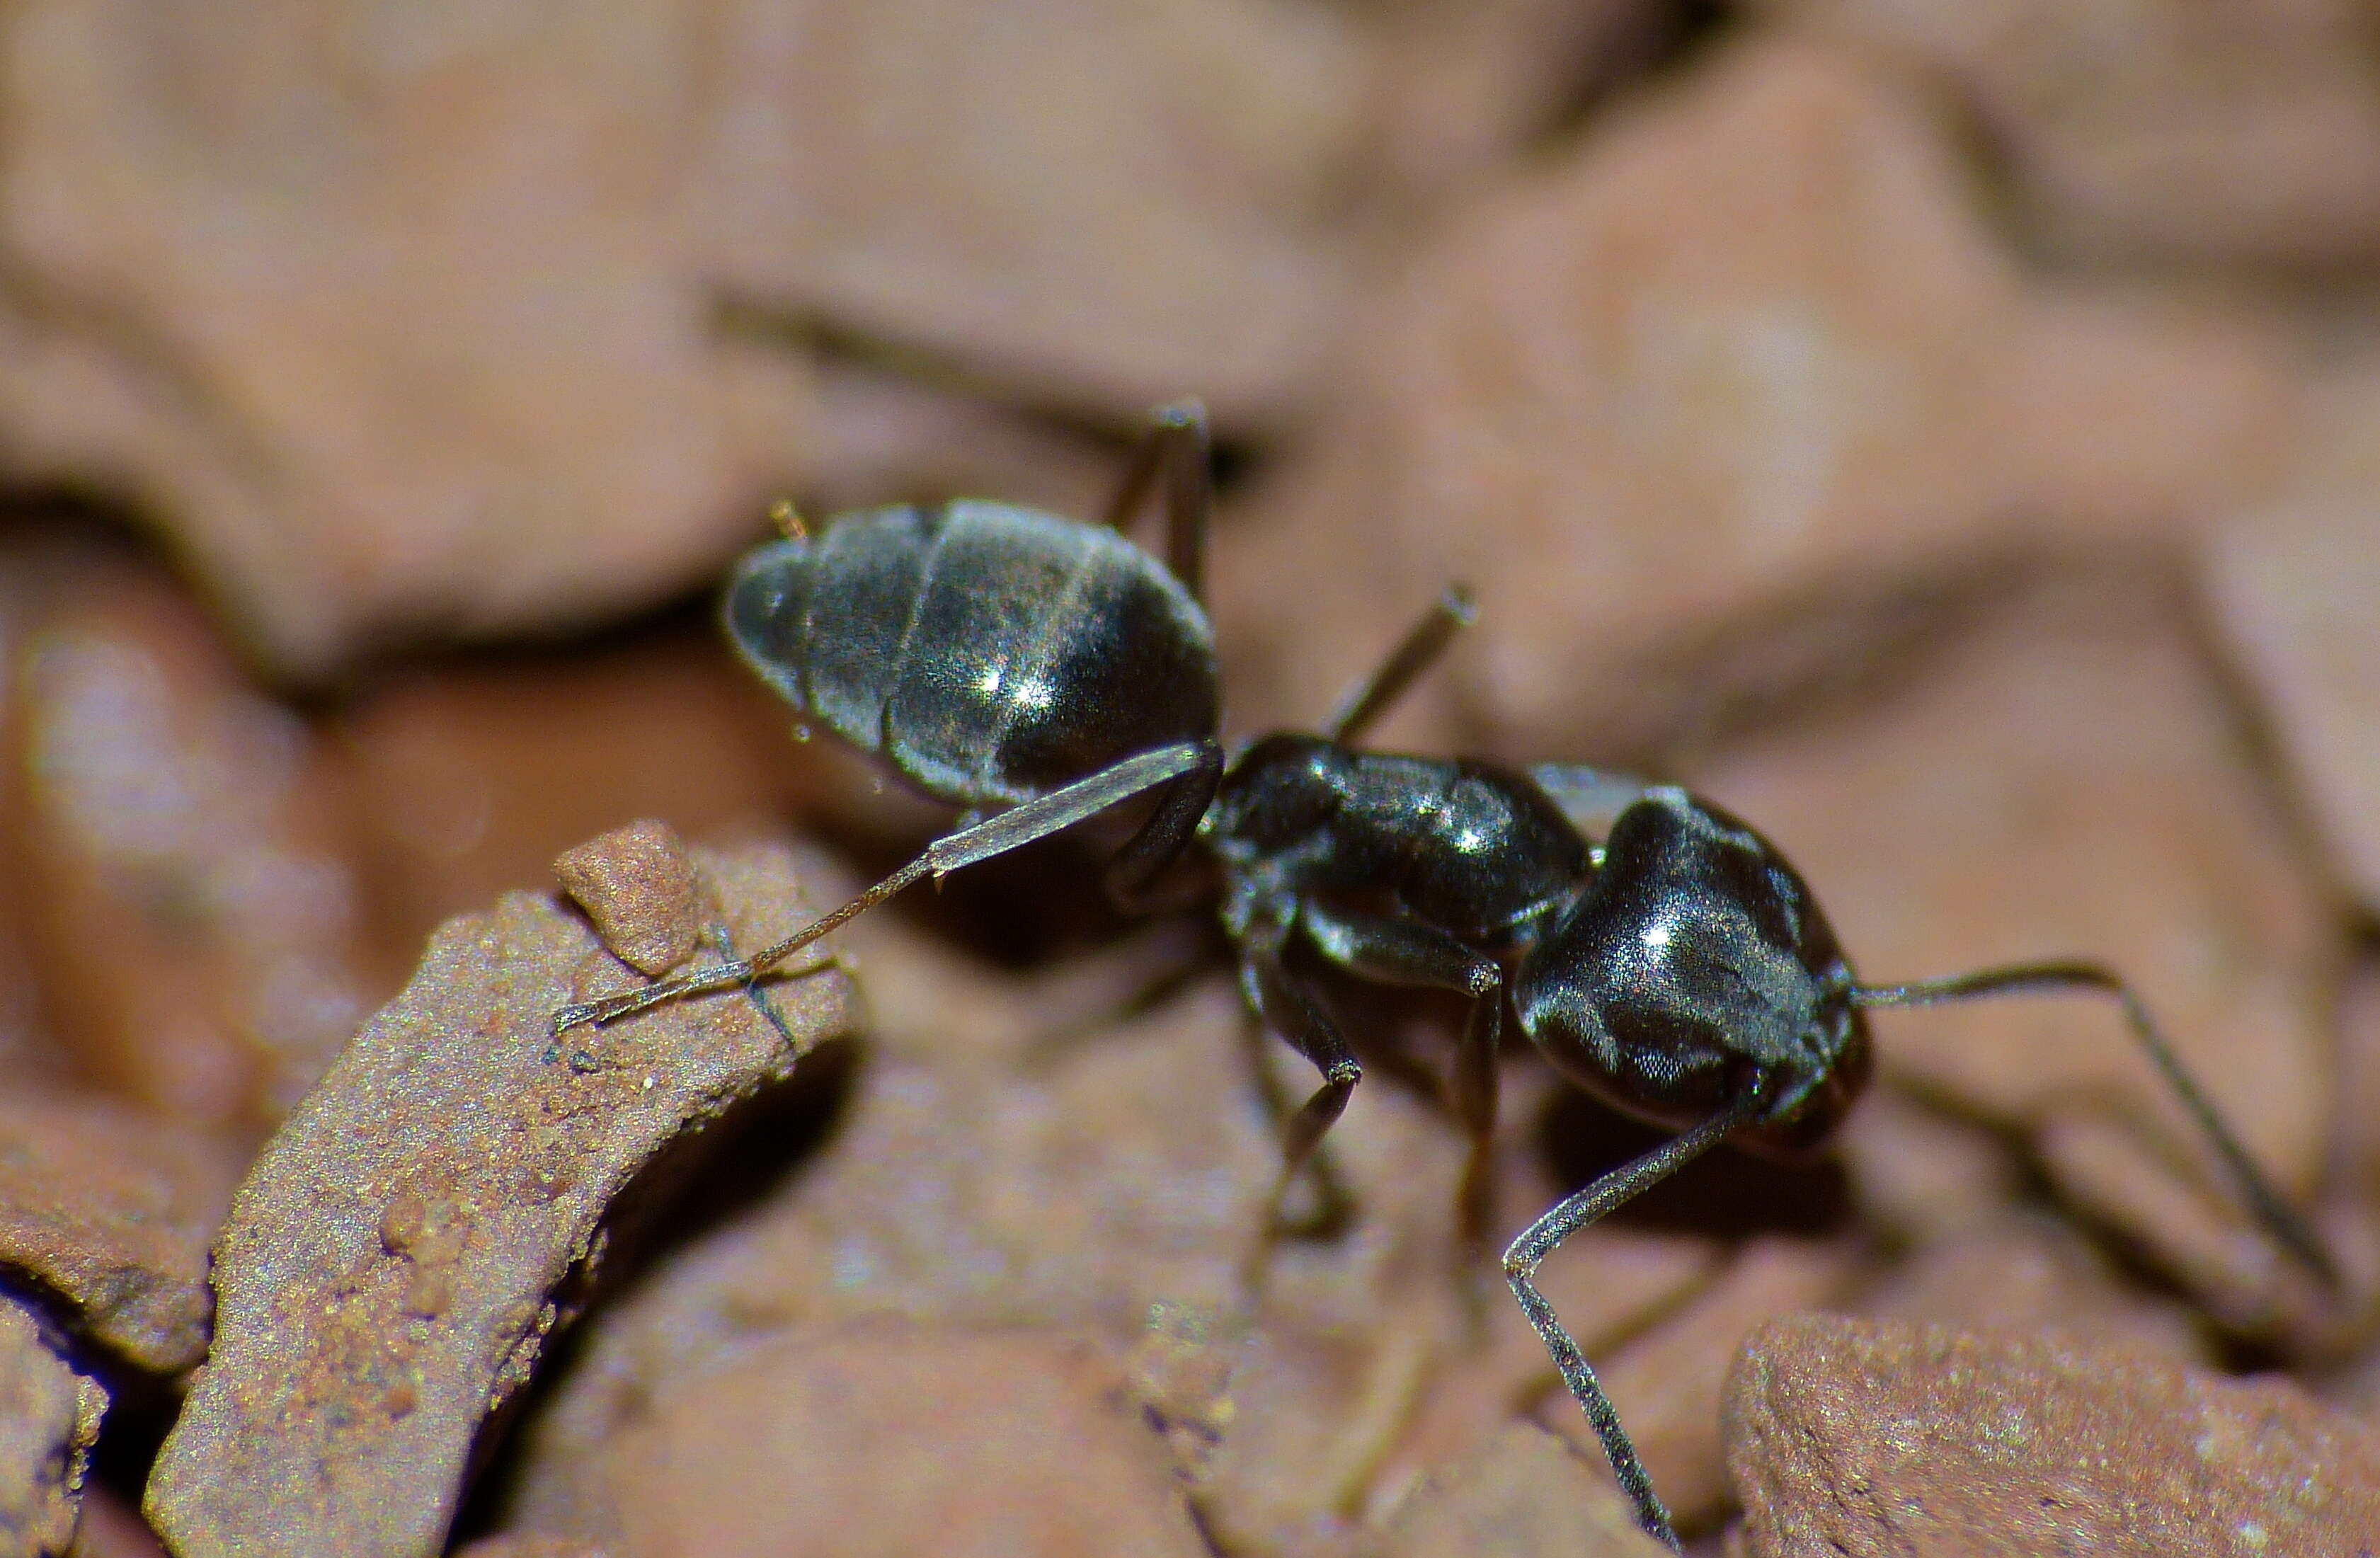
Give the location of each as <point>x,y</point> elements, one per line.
<point>788,520</point>
<point>2279,1219</point>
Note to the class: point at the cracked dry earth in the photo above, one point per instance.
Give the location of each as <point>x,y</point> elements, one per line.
<point>1991,519</point>
<point>915,1248</point>
<point>1002,1305</point>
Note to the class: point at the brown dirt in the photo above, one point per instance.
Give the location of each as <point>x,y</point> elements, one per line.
<point>1941,432</point>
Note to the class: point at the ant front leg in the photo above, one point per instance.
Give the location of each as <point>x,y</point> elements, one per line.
<point>1177,447</point>
<point>1545,1236</point>
<point>1403,952</point>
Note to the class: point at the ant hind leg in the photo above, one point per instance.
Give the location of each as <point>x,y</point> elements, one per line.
<point>1178,448</point>
<point>1180,806</point>
<point>1285,1008</point>
<point>1017,826</point>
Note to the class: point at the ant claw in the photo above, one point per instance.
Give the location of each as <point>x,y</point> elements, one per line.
<point>569,1017</point>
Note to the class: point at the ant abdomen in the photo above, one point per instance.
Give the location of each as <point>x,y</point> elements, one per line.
<point>990,652</point>
<point>1695,965</point>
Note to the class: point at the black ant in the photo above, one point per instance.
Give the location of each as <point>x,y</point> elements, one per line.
<point>1004,658</point>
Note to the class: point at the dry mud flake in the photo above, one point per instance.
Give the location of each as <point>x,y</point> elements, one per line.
<point>1464,86</point>
<point>384,312</point>
<point>2064,780</point>
<point>2359,1081</point>
<point>954,1194</point>
<point>472,778</point>
<point>883,1438</point>
<point>1724,400</point>
<point>112,1210</point>
<point>2293,591</point>
<point>1919,1174</point>
<point>178,845</point>
<point>2205,130</point>
<point>1612,1284</point>
<point>1106,205</point>
<point>1864,1439</point>
<point>2024,1269</point>
<point>2291,579</point>
<point>885,436</point>
<point>112,1527</point>
<point>640,889</point>
<point>532,1544</point>
<point>1666,1384</point>
<point>390,1270</point>
<point>49,1420</point>
<point>997,1166</point>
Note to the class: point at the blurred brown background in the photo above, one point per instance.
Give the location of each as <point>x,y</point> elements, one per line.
<point>1947,433</point>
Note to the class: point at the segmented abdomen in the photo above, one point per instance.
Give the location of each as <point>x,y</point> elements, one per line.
<point>990,652</point>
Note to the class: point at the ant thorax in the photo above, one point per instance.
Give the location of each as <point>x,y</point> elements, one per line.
<point>1469,847</point>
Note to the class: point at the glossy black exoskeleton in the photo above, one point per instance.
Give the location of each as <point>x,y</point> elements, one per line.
<point>1659,952</point>
<point>990,654</point>
<point>1695,966</point>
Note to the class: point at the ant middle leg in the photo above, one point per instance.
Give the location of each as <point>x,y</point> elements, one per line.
<point>1402,952</point>
<point>1416,652</point>
<point>1328,1204</point>
<point>1567,1217</point>
<point>1284,1006</point>
<point>1176,447</point>
<point>1289,1011</point>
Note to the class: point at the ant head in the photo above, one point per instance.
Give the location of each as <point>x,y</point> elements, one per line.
<point>1800,1125</point>
<point>1695,966</point>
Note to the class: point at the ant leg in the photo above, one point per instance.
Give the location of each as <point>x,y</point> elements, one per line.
<point>722,945</point>
<point>1474,1105</point>
<point>1178,446</point>
<point>1567,1217</point>
<point>1167,831</point>
<point>1017,826</point>
<point>1332,1204</point>
<point>1285,1008</point>
<point>1288,1011</point>
<point>1402,952</point>
<point>1423,643</point>
<point>1590,798</point>
<point>2279,1218</point>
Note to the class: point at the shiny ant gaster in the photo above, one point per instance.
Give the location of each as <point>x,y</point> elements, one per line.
<point>1011,662</point>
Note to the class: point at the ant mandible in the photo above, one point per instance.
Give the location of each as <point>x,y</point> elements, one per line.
<point>1011,662</point>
